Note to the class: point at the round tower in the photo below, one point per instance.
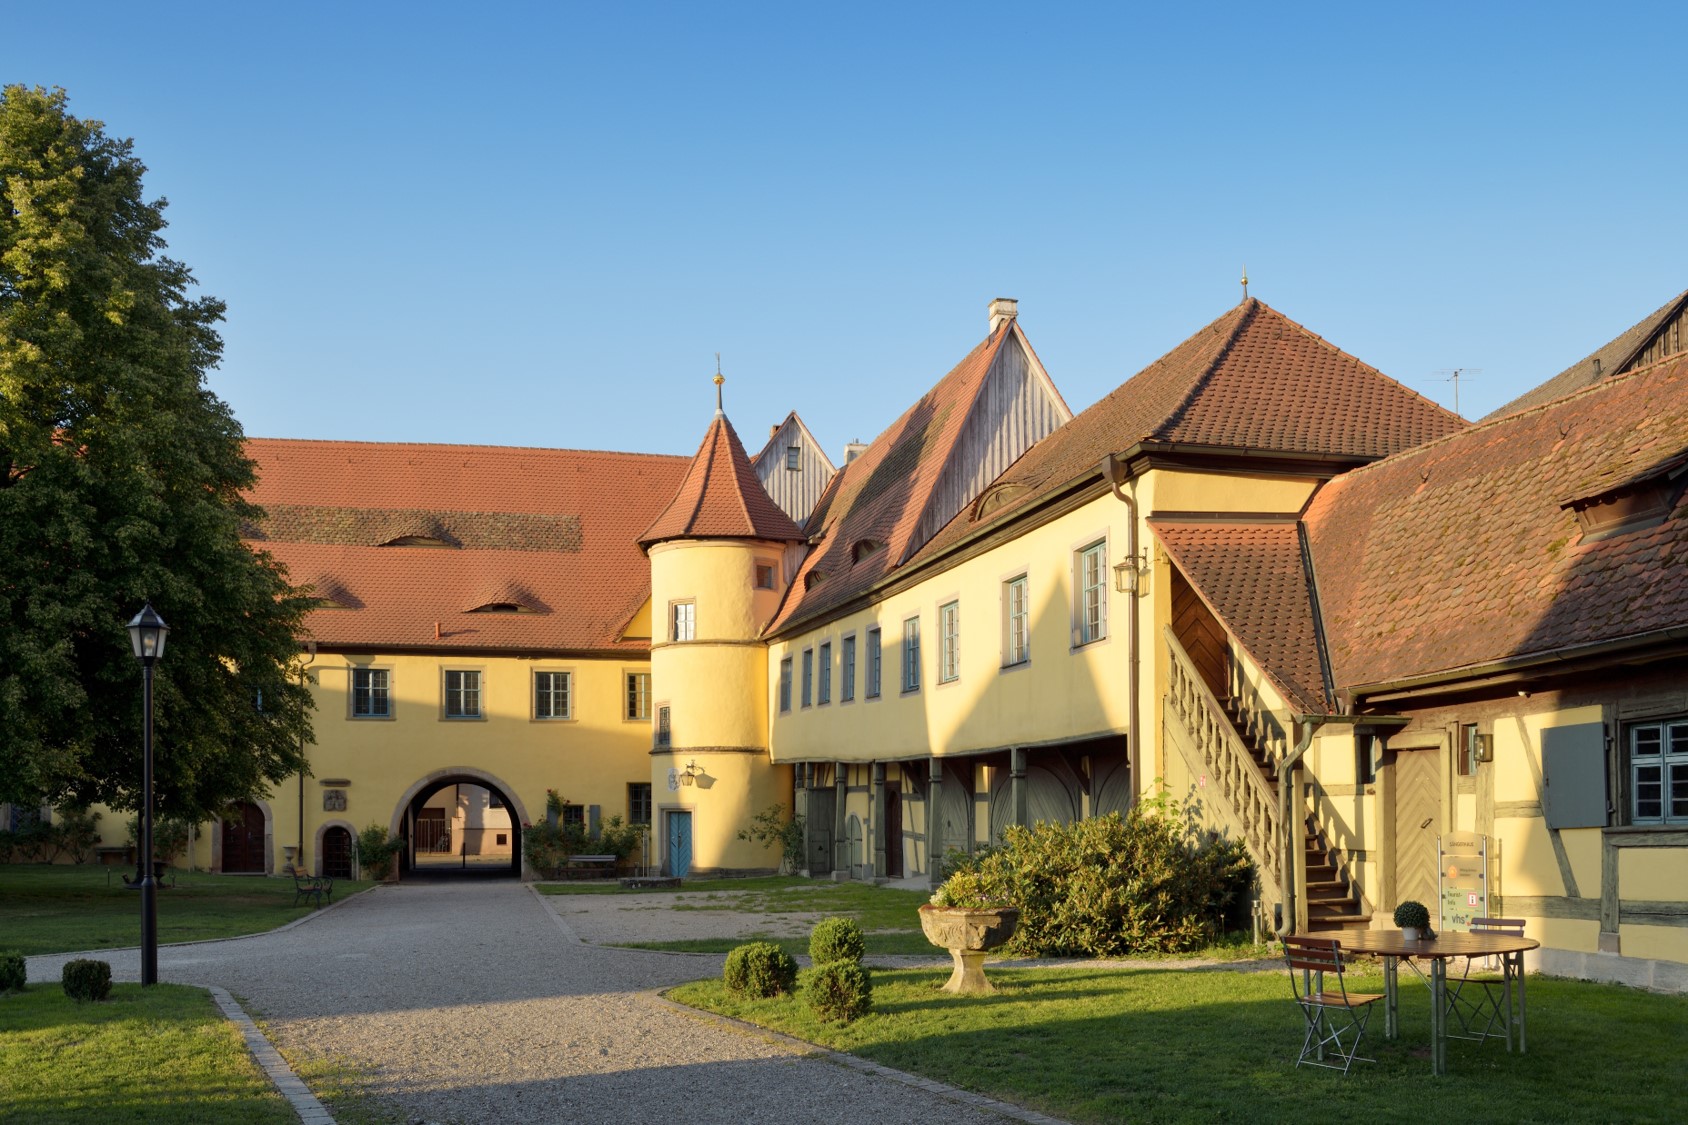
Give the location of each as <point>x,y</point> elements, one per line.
<point>720,555</point>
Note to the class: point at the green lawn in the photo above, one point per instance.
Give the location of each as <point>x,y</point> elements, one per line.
<point>1097,1045</point>
<point>158,1055</point>
<point>60,908</point>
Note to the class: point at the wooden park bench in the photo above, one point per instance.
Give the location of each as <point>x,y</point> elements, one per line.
<point>316,887</point>
<point>590,867</point>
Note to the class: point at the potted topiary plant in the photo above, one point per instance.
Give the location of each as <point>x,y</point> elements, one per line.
<point>962,919</point>
<point>1414,920</point>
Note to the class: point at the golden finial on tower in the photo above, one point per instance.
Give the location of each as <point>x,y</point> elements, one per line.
<point>719,379</point>
<point>1245,283</point>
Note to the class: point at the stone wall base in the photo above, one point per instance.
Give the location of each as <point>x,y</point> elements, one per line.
<point>1610,968</point>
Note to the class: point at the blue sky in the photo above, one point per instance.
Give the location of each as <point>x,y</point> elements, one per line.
<point>536,224</point>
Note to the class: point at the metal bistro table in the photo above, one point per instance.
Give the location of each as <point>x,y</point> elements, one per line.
<point>1391,946</point>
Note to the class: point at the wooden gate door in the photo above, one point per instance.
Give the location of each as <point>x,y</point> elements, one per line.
<point>337,853</point>
<point>893,833</point>
<point>679,844</point>
<point>1417,814</point>
<point>243,840</point>
<point>818,828</point>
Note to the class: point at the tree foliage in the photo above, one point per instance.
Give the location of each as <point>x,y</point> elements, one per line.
<point>121,479</point>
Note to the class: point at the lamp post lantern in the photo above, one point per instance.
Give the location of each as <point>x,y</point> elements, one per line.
<point>146,634</point>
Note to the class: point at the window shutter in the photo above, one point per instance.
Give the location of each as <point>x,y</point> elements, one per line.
<point>1573,766</point>
<point>592,813</point>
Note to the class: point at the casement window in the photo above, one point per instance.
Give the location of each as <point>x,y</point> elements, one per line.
<point>949,642</point>
<point>825,694</point>
<point>371,693</point>
<point>794,458</point>
<point>847,673</point>
<point>638,802</point>
<point>574,816</point>
<point>1016,622</point>
<point>553,695</point>
<point>664,729</point>
<point>808,676</point>
<point>682,621</point>
<point>911,654</point>
<point>1658,772</point>
<point>765,576</point>
<point>638,696</point>
<point>1090,587</point>
<point>785,685</point>
<point>1465,756</point>
<point>875,663</point>
<point>462,694</point>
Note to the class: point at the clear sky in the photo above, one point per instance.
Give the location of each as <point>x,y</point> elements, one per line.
<point>537,224</point>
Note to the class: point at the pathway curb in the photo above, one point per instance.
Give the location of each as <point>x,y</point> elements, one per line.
<point>264,1053</point>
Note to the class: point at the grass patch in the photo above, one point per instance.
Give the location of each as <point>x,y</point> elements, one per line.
<point>1096,1045</point>
<point>687,886</point>
<point>158,1055</point>
<point>343,1088</point>
<point>53,908</point>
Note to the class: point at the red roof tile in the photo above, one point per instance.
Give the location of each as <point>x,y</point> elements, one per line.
<point>721,497</point>
<point>553,529</point>
<point>1251,576</point>
<point>1460,552</point>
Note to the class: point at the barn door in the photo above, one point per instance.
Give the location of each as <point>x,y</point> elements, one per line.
<point>1417,822</point>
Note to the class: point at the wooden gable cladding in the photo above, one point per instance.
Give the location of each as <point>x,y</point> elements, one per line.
<point>1016,407</point>
<point>1667,341</point>
<point>795,489</point>
<point>1200,633</point>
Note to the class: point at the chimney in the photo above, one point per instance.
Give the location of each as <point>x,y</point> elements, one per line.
<point>853,450</point>
<point>772,430</point>
<point>1003,309</point>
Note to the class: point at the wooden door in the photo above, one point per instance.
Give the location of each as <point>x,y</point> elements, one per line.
<point>243,840</point>
<point>1417,821</point>
<point>337,853</point>
<point>679,844</point>
<point>893,833</point>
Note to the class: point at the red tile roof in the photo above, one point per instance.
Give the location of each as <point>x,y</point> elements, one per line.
<point>881,495</point>
<point>1460,552</point>
<point>553,529</point>
<point>721,497</point>
<point>1251,381</point>
<point>1250,574</point>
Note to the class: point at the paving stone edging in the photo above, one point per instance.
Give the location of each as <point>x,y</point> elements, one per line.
<point>264,1053</point>
<point>854,1062</point>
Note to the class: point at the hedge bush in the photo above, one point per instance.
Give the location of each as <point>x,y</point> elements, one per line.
<point>760,969</point>
<point>12,972</point>
<point>836,939</point>
<point>1147,882</point>
<point>87,980</point>
<point>839,991</point>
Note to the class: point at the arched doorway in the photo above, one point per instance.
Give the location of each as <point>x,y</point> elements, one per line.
<point>337,852</point>
<point>243,850</point>
<point>457,823</point>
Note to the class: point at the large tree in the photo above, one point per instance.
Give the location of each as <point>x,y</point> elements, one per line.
<point>121,479</point>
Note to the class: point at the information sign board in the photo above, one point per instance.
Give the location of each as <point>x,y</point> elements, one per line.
<point>1463,869</point>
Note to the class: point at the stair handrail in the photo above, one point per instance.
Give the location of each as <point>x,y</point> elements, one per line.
<point>1239,781</point>
<point>1259,720</point>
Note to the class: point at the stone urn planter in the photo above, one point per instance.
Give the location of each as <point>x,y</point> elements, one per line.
<point>969,932</point>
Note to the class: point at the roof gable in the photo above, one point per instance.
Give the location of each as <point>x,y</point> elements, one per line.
<point>721,497</point>
<point>795,490</point>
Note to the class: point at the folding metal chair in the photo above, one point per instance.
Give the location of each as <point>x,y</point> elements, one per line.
<point>1480,1000</point>
<point>1336,1019</point>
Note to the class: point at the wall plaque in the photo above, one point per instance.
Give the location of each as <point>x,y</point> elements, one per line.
<point>333,800</point>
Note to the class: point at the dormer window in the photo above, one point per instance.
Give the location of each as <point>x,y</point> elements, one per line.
<point>865,548</point>
<point>416,541</point>
<point>501,607</point>
<point>813,578</point>
<point>1633,506</point>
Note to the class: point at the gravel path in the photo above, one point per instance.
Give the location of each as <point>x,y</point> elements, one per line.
<point>473,1002</point>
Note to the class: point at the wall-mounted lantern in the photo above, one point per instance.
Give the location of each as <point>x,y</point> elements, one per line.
<point>690,774</point>
<point>1129,572</point>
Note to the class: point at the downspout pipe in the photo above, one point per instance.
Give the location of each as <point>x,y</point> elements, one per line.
<point>1114,472</point>
<point>304,682</point>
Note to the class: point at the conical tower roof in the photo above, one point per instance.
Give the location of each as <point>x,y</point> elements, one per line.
<point>721,497</point>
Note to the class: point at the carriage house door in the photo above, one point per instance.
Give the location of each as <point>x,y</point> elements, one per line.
<point>1417,822</point>
<point>243,840</point>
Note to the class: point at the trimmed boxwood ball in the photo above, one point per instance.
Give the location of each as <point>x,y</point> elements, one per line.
<point>836,939</point>
<point>87,980</point>
<point>12,974</point>
<point>760,969</point>
<point>839,991</point>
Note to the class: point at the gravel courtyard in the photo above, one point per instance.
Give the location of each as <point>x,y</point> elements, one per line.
<point>475,1001</point>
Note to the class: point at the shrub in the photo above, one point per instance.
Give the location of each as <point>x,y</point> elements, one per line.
<point>836,939</point>
<point>169,837</point>
<point>1414,914</point>
<point>839,991</point>
<point>12,973</point>
<point>1143,883</point>
<point>376,852</point>
<point>760,969</point>
<point>79,833</point>
<point>87,980</point>
<point>770,827</point>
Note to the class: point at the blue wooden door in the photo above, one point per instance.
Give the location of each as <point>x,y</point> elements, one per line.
<point>679,844</point>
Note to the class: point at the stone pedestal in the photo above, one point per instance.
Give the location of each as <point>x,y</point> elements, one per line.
<point>969,933</point>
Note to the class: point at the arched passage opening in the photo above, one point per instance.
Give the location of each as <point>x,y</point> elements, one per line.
<point>460,822</point>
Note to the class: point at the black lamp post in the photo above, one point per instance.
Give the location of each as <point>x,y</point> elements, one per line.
<point>146,634</point>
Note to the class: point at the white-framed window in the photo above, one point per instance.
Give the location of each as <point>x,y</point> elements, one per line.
<point>1658,772</point>
<point>638,702</point>
<point>847,672</point>
<point>911,654</point>
<point>875,662</point>
<point>553,695</point>
<point>949,642</point>
<point>1016,622</point>
<point>682,621</point>
<point>785,685</point>
<point>462,693</point>
<point>638,802</point>
<point>1090,588</point>
<point>794,458</point>
<point>824,696</point>
<point>372,694</point>
<point>808,676</point>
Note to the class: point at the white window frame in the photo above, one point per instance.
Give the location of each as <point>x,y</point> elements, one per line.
<point>636,697</point>
<point>949,642</point>
<point>682,620</point>
<point>385,690</point>
<point>567,680</point>
<point>1090,593</point>
<point>469,696</point>
<point>911,655</point>
<point>785,685</point>
<point>1670,737</point>
<point>1016,622</point>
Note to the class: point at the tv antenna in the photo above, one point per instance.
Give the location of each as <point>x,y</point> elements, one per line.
<point>1454,376</point>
